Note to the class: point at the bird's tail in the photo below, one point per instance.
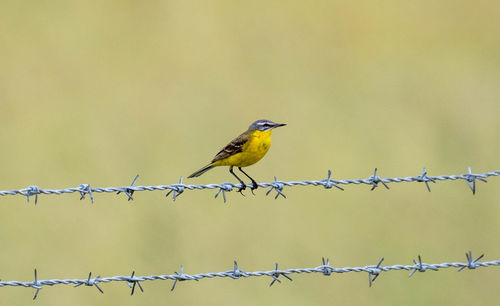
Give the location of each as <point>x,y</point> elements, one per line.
<point>201,171</point>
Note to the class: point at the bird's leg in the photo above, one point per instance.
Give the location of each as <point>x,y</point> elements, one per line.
<point>254,183</point>
<point>243,185</point>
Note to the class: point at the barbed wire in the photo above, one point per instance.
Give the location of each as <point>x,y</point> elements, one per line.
<point>278,186</point>
<point>374,271</point>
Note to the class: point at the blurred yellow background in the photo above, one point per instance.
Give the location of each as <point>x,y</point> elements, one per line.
<point>96,92</point>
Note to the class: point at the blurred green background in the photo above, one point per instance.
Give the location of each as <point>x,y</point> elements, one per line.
<point>96,92</point>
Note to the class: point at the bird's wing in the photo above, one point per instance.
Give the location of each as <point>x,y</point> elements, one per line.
<point>235,146</point>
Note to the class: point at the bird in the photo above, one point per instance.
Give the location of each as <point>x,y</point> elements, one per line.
<point>243,151</point>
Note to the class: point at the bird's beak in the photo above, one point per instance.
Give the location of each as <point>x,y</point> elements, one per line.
<point>278,125</point>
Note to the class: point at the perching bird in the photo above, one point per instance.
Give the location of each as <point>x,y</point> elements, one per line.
<point>244,150</point>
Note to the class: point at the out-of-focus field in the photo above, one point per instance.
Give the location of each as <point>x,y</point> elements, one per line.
<point>96,92</point>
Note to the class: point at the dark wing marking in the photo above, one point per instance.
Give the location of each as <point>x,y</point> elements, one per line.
<point>233,147</point>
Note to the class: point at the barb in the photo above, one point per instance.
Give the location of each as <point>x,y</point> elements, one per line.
<point>132,282</point>
<point>325,268</point>
<point>375,272</point>
<point>35,284</point>
<point>277,274</point>
<point>130,192</point>
<point>277,185</point>
<point>91,282</point>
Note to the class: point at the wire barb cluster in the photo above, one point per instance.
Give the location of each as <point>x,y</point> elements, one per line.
<point>374,271</point>
<point>177,189</point>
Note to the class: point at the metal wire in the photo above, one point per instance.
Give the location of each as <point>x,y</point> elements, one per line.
<point>374,271</point>
<point>326,269</point>
<point>278,186</point>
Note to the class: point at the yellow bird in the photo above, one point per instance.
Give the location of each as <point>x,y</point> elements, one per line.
<point>244,150</point>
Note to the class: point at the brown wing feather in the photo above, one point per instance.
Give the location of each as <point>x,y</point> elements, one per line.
<point>235,146</point>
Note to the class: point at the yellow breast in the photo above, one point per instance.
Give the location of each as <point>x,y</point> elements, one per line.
<point>252,151</point>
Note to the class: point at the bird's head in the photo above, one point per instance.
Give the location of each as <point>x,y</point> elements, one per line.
<point>264,125</point>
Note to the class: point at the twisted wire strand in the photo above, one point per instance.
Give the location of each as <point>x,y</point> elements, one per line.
<point>236,273</point>
<point>278,186</point>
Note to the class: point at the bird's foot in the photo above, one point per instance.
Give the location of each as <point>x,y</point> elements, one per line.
<point>254,186</point>
<point>243,187</point>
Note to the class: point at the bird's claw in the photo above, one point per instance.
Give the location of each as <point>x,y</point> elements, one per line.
<point>254,186</point>
<point>243,187</point>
